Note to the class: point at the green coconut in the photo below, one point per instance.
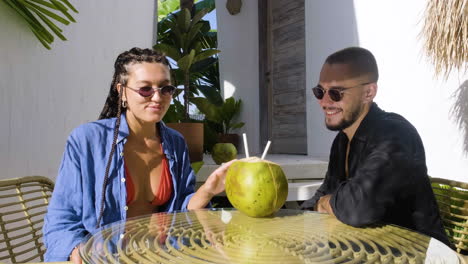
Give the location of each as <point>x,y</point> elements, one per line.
<point>223,152</point>
<point>257,188</point>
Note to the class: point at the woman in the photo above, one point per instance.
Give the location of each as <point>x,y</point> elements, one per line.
<point>126,164</point>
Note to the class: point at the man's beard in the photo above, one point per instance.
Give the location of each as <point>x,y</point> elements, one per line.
<point>346,122</point>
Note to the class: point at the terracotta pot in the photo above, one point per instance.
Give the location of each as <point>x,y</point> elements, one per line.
<point>229,138</point>
<point>193,134</point>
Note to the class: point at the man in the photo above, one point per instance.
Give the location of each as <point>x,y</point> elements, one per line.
<point>377,170</point>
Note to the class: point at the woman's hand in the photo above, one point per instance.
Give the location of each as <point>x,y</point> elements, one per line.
<point>213,185</point>
<point>75,256</point>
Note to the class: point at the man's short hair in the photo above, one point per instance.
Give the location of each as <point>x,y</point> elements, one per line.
<point>362,61</point>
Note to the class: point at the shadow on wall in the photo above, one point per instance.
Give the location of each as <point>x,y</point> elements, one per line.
<point>460,112</point>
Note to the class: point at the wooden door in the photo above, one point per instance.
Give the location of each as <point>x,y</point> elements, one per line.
<point>282,75</point>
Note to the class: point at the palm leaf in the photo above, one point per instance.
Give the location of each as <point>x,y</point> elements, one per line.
<point>39,14</point>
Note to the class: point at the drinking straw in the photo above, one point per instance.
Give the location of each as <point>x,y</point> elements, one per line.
<point>246,146</point>
<point>266,149</point>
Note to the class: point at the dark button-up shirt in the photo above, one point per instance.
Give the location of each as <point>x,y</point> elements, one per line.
<point>387,177</point>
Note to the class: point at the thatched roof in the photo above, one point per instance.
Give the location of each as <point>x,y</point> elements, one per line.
<point>445,33</point>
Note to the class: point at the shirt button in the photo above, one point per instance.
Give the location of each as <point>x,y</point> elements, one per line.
<point>122,236</point>
<point>123,179</point>
<point>121,154</point>
<point>126,208</point>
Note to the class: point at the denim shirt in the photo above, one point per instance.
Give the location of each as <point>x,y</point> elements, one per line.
<point>75,204</point>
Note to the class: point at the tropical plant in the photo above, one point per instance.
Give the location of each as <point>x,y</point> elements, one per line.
<point>223,115</point>
<point>165,7</point>
<point>197,165</point>
<point>39,14</point>
<point>183,39</point>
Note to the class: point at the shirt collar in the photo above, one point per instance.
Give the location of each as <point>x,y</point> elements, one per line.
<point>123,129</point>
<point>366,124</point>
<point>165,138</point>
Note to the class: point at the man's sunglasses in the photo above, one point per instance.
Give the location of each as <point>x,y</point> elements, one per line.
<point>335,93</point>
<point>149,91</point>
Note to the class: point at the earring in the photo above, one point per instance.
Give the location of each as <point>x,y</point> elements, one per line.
<point>124,104</point>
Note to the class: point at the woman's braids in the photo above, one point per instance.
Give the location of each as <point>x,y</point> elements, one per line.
<point>113,106</point>
<point>121,66</point>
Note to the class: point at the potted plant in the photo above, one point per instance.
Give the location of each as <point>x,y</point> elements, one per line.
<point>222,117</point>
<point>184,40</point>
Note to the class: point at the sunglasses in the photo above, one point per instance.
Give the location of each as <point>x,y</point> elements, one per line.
<point>149,91</point>
<point>335,93</point>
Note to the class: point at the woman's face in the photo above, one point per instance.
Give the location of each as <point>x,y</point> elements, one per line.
<point>147,109</point>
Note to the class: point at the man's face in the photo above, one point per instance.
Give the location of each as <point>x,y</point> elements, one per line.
<point>341,114</point>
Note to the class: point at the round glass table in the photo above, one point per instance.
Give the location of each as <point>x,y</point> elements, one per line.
<point>228,236</point>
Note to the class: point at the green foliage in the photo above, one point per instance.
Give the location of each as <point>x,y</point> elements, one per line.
<point>165,7</point>
<point>223,115</point>
<point>196,166</point>
<point>203,78</point>
<point>185,40</point>
<point>40,16</point>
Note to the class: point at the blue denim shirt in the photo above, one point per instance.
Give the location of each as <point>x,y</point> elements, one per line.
<point>75,203</point>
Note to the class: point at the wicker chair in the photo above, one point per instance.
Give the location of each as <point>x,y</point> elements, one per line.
<point>452,198</point>
<point>23,203</point>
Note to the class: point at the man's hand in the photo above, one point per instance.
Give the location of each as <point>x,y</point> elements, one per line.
<point>323,205</point>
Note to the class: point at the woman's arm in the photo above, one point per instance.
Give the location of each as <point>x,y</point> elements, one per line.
<point>63,229</point>
<point>214,185</point>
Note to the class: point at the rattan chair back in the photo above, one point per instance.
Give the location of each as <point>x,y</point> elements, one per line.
<point>452,198</point>
<point>23,204</point>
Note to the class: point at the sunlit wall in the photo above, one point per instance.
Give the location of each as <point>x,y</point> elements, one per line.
<point>390,29</point>
<point>45,94</point>
<point>238,42</point>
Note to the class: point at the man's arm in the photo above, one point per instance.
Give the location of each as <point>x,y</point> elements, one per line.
<point>322,190</point>
<point>365,197</point>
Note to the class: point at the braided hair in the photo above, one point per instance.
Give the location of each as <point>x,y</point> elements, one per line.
<point>113,106</point>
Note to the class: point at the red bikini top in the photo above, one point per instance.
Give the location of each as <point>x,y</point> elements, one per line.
<point>164,191</point>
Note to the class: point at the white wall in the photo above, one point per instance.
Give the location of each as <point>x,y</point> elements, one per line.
<point>330,26</point>
<point>45,94</point>
<point>238,65</point>
<point>407,86</point>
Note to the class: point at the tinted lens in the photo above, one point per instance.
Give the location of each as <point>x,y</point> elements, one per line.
<point>334,94</point>
<point>146,91</point>
<point>318,92</point>
<point>167,90</point>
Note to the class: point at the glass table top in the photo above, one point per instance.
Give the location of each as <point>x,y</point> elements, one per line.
<point>228,236</point>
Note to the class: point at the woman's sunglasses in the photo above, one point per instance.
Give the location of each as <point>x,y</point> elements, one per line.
<point>335,93</point>
<point>149,91</point>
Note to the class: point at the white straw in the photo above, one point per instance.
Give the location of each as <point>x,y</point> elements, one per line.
<point>266,149</point>
<point>246,146</point>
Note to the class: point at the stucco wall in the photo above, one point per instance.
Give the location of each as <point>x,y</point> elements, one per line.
<point>407,85</point>
<point>45,94</point>
<point>238,65</point>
